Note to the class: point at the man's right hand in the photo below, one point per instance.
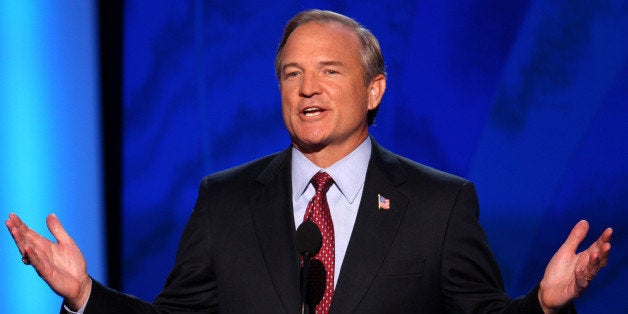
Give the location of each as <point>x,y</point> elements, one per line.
<point>61,265</point>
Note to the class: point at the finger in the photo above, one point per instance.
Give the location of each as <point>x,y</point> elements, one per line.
<point>577,234</point>
<point>9,223</point>
<point>13,230</point>
<point>15,219</point>
<point>14,222</point>
<point>35,261</point>
<point>603,254</point>
<point>57,230</point>
<point>581,279</point>
<point>592,266</point>
<point>605,237</point>
<point>17,229</point>
<point>601,247</point>
<point>19,225</point>
<point>29,254</point>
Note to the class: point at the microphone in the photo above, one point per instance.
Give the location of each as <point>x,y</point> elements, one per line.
<point>308,241</point>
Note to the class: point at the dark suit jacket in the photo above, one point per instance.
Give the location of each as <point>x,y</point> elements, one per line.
<point>426,254</point>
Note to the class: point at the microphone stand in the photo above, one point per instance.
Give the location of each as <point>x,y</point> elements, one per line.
<point>304,274</point>
<point>308,240</point>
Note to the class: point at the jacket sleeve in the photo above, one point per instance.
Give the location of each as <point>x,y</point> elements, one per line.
<point>471,279</point>
<point>190,287</point>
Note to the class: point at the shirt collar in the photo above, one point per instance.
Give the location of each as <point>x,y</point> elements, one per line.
<point>348,173</point>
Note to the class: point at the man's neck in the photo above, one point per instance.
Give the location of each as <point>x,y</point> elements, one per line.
<point>327,155</point>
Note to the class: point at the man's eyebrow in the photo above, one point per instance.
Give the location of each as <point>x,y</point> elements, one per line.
<point>320,64</point>
<point>331,63</point>
<point>291,64</point>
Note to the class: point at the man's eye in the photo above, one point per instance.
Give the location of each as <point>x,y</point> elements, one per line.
<point>331,71</point>
<point>292,74</point>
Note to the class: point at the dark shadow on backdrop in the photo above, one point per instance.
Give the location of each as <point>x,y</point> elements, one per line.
<point>110,41</point>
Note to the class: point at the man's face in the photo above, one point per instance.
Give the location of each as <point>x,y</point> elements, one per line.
<point>324,99</point>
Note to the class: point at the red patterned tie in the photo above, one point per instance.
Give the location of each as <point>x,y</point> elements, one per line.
<point>318,212</point>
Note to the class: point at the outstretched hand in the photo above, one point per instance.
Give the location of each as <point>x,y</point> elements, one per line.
<point>61,265</point>
<point>568,273</point>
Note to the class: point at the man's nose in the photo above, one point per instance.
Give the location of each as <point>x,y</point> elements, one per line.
<point>310,85</point>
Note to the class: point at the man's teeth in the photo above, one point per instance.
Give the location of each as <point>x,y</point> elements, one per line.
<point>312,111</point>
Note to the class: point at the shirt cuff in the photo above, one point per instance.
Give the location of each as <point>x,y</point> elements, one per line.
<point>79,311</point>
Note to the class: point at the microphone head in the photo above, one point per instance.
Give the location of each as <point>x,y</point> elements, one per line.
<point>308,239</point>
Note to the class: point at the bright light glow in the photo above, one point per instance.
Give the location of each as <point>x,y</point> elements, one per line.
<point>49,137</point>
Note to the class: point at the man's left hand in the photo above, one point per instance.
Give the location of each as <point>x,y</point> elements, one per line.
<point>568,274</point>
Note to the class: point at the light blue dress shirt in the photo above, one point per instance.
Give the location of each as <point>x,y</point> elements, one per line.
<point>343,197</point>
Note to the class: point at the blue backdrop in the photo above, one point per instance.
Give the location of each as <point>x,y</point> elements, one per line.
<point>526,98</point>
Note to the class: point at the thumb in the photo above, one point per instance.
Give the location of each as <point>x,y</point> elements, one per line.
<point>57,230</point>
<point>577,234</point>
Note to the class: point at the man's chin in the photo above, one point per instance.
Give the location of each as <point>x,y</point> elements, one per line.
<point>309,147</point>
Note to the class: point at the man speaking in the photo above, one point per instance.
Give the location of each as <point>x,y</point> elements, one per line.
<point>395,236</point>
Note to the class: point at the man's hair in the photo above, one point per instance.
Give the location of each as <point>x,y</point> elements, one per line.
<point>371,54</point>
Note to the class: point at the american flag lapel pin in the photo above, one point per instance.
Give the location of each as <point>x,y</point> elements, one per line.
<point>383,202</point>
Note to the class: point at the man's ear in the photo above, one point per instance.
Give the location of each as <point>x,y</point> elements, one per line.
<point>376,90</point>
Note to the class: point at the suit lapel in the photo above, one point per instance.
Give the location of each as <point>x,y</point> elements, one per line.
<point>274,226</point>
<point>373,232</point>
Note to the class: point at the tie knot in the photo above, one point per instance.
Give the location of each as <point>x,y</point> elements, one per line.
<point>322,182</point>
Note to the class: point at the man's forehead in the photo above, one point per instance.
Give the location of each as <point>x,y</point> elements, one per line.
<point>330,28</point>
<point>321,44</point>
<point>322,37</point>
